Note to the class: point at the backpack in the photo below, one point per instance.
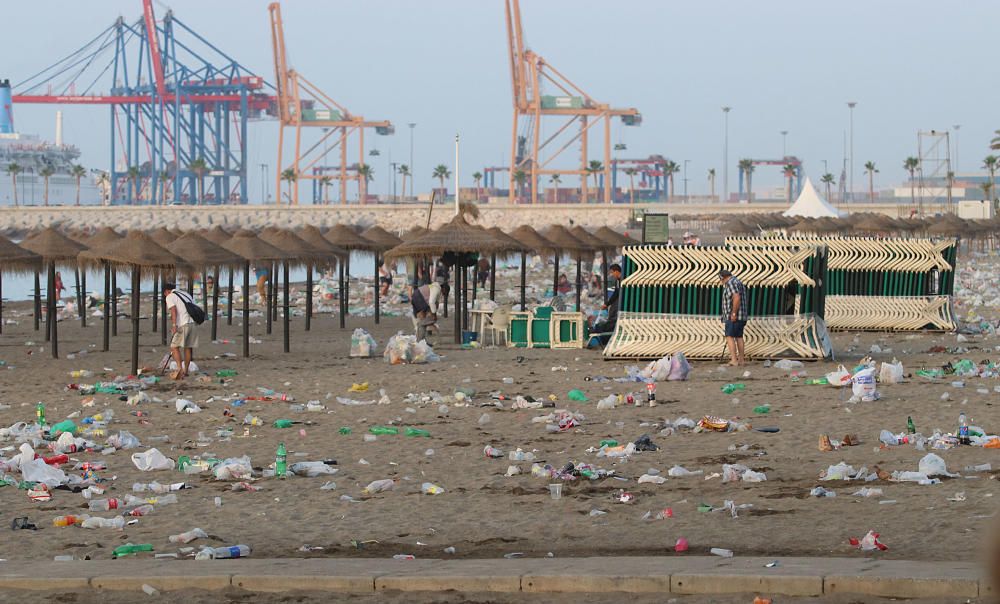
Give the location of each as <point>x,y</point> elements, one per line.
<point>196,312</point>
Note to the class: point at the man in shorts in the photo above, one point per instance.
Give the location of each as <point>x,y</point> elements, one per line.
<point>425,301</point>
<point>184,339</point>
<point>734,315</point>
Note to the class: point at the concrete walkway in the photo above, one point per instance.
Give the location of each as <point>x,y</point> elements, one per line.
<point>675,574</point>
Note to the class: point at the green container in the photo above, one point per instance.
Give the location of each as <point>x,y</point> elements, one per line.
<point>762,409</point>
<point>417,432</point>
<point>317,115</point>
<point>282,423</point>
<point>543,312</point>
<point>609,442</point>
<point>576,395</point>
<point>225,373</point>
<point>63,426</point>
<point>540,333</point>
<point>130,549</point>
<point>383,430</point>
<point>345,430</point>
<point>551,101</point>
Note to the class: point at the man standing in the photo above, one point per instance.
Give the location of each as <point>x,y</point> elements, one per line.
<point>184,339</point>
<point>734,315</point>
<point>425,301</point>
<point>605,328</point>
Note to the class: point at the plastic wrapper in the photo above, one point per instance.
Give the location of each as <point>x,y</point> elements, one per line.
<point>363,345</point>
<point>152,460</point>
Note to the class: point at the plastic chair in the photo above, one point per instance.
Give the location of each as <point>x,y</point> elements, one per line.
<point>499,323</point>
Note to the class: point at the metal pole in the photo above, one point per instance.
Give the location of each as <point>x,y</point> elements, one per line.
<point>493,277</point>
<point>156,301</point>
<point>579,282</point>
<point>725,155</point>
<point>114,302</point>
<point>107,309</point>
<point>246,309</point>
<point>53,324</point>
<point>83,298</point>
<point>309,296</point>
<point>229,297</point>
<point>555,274</point>
<point>456,175</point>
<point>50,285</point>
<point>604,275</point>
<point>458,305</point>
<point>163,308</point>
<point>343,294</point>
<point>135,320</point>
<point>524,256</point>
<point>215,304</point>
<point>38,300</point>
<point>377,286</point>
<point>286,318</point>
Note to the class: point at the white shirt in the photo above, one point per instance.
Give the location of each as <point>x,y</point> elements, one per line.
<point>174,301</point>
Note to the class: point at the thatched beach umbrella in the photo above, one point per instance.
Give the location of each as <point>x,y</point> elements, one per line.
<point>298,251</point>
<point>103,238</point>
<point>197,252</point>
<point>535,242</point>
<point>616,240</point>
<point>54,248</point>
<point>248,246</point>
<point>218,236</point>
<point>141,254</point>
<point>14,258</point>
<point>345,237</point>
<point>385,242</point>
<point>567,243</point>
<point>312,235</point>
<point>515,247</point>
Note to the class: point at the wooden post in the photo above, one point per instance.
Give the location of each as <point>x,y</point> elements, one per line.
<point>135,320</point>
<point>246,309</point>
<point>493,277</point>
<point>53,324</point>
<point>378,286</point>
<point>107,308</point>
<point>524,257</point>
<point>309,296</point>
<point>215,304</point>
<point>286,318</point>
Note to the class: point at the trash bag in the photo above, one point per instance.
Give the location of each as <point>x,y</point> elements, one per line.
<point>362,344</point>
<point>658,371</point>
<point>679,368</point>
<point>891,373</point>
<point>36,470</point>
<point>123,440</point>
<point>787,364</point>
<point>234,468</point>
<point>311,469</point>
<point>397,349</point>
<point>152,460</point>
<point>423,353</point>
<point>840,377</point>
<point>933,465</point>
<point>864,386</point>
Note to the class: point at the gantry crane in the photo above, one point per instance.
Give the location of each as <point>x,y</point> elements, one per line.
<point>570,105</point>
<point>302,105</point>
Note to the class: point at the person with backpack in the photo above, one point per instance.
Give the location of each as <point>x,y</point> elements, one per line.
<point>185,316</point>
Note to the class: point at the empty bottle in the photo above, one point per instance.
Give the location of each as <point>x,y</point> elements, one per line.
<point>731,388</point>
<point>40,414</point>
<point>383,430</point>
<point>95,522</point>
<point>225,373</point>
<point>103,505</point>
<point>493,452</point>
<point>983,467</point>
<point>233,551</point>
<point>142,510</point>
<point>167,499</point>
<point>252,420</point>
<point>888,438</point>
<point>651,394</point>
<point>130,549</point>
<point>378,486</point>
<point>417,432</point>
<point>910,426</point>
<point>281,461</point>
<point>188,536</point>
<point>963,430</point>
<point>68,520</point>
<point>283,423</point>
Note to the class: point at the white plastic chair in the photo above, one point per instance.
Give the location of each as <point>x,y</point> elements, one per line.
<point>499,323</point>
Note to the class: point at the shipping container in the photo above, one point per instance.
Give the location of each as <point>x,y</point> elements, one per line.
<point>562,102</point>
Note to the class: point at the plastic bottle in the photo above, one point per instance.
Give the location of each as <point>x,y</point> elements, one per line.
<point>103,505</point>
<point>95,522</point>
<point>888,438</point>
<point>188,536</point>
<point>252,420</point>
<point>910,426</point>
<point>68,520</point>
<point>281,461</point>
<point>378,486</point>
<point>233,551</point>
<point>142,510</point>
<point>167,499</point>
<point>731,388</point>
<point>963,430</point>
<point>40,414</point>
<point>282,423</point>
<point>130,549</point>
<point>651,394</point>
<point>492,452</point>
<point>383,430</point>
<point>225,373</point>
<point>417,432</point>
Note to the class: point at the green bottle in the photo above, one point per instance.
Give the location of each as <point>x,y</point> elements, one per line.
<point>731,388</point>
<point>609,442</point>
<point>281,461</point>
<point>40,414</point>
<point>383,430</point>
<point>417,432</point>
<point>345,430</point>
<point>762,409</point>
<point>130,549</point>
<point>225,373</point>
<point>910,427</point>
<point>282,423</point>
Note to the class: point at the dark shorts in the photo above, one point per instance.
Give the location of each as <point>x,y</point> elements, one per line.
<point>734,329</point>
<point>419,303</point>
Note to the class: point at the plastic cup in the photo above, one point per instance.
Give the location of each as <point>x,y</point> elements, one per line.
<point>555,491</point>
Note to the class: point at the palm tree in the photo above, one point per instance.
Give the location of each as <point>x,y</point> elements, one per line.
<point>133,174</point>
<point>711,182</point>
<point>199,167</point>
<point>289,176</point>
<point>78,173</point>
<point>789,171</point>
<point>995,142</point>
<point>594,168</point>
<point>404,171</point>
<point>747,167</point>
<point>14,169</point>
<point>871,170</point>
<point>164,182</point>
<point>324,183</point>
<point>910,164</point>
<point>987,187</point>
<point>630,172</point>
<point>827,179</point>
<point>669,169</point>
<point>556,180</point>
<point>45,173</point>
<point>365,175</point>
<point>441,172</point>
<point>104,184</point>
<point>991,163</point>
<point>477,177</point>
<point>519,177</point>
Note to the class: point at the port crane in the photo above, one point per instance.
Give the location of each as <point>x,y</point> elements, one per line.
<point>575,111</point>
<point>788,160</point>
<point>301,104</point>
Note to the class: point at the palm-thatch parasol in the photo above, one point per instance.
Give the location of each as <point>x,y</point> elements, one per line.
<point>345,237</point>
<point>54,248</point>
<point>197,252</point>
<point>300,251</point>
<point>948,225</point>
<point>218,236</point>
<point>138,251</point>
<point>248,246</point>
<point>516,247</point>
<point>14,258</point>
<point>566,242</point>
<point>385,242</point>
<point>333,254</point>
<point>415,233</point>
<point>532,240</point>
<point>162,236</point>
<point>103,238</point>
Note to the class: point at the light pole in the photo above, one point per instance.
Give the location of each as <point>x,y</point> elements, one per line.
<point>394,171</point>
<point>957,128</point>
<point>725,155</point>
<point>850,188</point>
<point>784,152</point>
<point>263,183</point>
<point>413,172</point>
<point>456,175</point>
<point>825,169</point>
<point>686,162</point>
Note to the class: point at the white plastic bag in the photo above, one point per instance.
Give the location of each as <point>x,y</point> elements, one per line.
<point>362,344</point>
<point>788,364</point>
<point>234,468</point>
<point>891,373</point>
<point>311,469</point>
<point>151,460</point>
<point>37,470</point>
<point>864,386</point>
<point>679,368</point>
<point>123,440</point>
<point>933,465</point>
<point>840,377</point>
<point>658,371</point>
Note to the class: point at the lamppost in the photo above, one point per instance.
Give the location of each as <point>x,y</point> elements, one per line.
<point>263,183</point>
<point>686,162</point>
<point>784,152</point>
<point>957,128</point>
<point>394,171</point>
<point>850,190</point>
<point>825,169</point>
<point>413,172</point>
<point>725,155</point>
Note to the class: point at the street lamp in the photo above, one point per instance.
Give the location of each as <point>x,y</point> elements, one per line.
<point>725,154</point>
<point>850,191</point>
<point>263,183</point>
<point>957,127</point>
<point>686,162</point>
<point>413,172</point>
<point>784,135</point>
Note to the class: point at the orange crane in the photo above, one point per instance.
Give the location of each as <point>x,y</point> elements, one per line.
<point>569,105</point>
<point>302,105</point>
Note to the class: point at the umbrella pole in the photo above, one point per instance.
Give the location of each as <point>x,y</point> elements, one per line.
<point>274,291</point>
<point>458,305</point>
<point>50,285</point>
<point>83,298</point>
<point>340,285</point>
<point>524,257</point>
<point>107,307</point>
<point>465,298</point>
<point>156,302</point>
<point>246,309</point>
<point>378,285</point>
<point>555,276</point>
<point>268,297</point>
<point>215,304</point>
<point>38,300</point>
<point>204,288</point>
<point>114,302</point>
<point>229,298</point>
<point>604,275</point>
<point>285,308</point>
<point>1,302</point>
<point>135,320</point>
<point>52,310</point>
<point>309,296</point>
<point>76,280</point>
<point>579,283</point>
<point>493,277</point>
<point>475,282</point>
<point>162,301</point>
<point>347,286</point>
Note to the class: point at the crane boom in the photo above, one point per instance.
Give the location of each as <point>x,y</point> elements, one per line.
<point>154,47</point>
<point>281,77</point>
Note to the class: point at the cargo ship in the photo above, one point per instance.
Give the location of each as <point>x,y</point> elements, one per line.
<point>26,159</point>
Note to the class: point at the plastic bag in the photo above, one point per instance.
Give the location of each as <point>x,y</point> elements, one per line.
<point>657,371</point>
<point>234,468</point>
<point>891,373</point>
<point>311,469</point>
<point>362,344</point>
<point>933,465</point>
<point>864,386</point>
<point>840,377</point>
<point>152,460</point>
<point>423,353</point>
<point>787,364</point>
<point>123,440</point>
<point>679,368</point>
<point>36,470</point>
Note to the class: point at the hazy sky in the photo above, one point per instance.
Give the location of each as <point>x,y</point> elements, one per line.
<point>782,65</point>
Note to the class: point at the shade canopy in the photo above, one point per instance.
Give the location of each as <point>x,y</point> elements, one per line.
<point>455,236</point>
<point>52,245</point>
<point>216,235</point>
<point>137,249</point>
<point>15,258</point>
<point>810,205</point>
<point>195,251</point>
<point>565,242</point>
<point>590,239</point>
<point>102,238</point>
<point>162,236</point>
<point>298,249</point>
<point>381,237</point>
<point>515,245</point>
<point>251,248</point>
<point>312,235</point>
<point>533,240</point>
<point>415,233</point>
<point>344,237</point>
<point>613,237</point>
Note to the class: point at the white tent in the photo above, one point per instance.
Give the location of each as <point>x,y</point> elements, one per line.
<point>811,205</point>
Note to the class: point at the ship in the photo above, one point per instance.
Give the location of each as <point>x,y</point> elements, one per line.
<point>25,159</point>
